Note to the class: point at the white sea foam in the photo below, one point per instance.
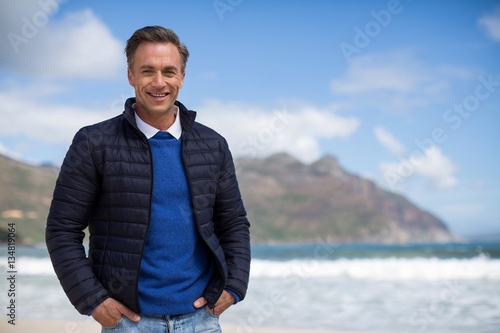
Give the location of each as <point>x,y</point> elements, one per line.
<point>29,266</point>
<point>382,269</point>
<point>390,294</point>
<point>386,269</point>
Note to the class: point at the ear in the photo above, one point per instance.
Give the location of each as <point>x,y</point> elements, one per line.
<point>130,76</point>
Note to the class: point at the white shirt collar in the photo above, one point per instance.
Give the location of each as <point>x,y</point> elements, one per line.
<point>149,131</point>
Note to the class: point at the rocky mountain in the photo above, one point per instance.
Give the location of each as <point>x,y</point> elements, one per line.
<point>290,201</point>
<point>287,201</point>
<point>25,195</point>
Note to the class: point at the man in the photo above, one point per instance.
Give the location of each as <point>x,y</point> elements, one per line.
<point>169,239</point>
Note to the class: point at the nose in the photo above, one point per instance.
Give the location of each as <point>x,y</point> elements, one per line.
<point>158,81</point>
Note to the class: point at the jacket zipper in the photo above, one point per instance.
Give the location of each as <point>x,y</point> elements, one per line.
<point>148,225</point>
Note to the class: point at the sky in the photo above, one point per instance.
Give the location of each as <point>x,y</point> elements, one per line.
<point>405,93</point>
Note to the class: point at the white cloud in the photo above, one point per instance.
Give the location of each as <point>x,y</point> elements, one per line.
<point>13,12</point>
<point>389,141</point>
<point>432,165</point>
<point>78,46</point>
<point>7,152</point>
<point>456,72</point>
<point>254,131</point>
<point>25,114</point>
<point>438,169</point>
<point>491,23</point>
<point>394,82</point>
<point>380,72</point>
<point>251,130</point>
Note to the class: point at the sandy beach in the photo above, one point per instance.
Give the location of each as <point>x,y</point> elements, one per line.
<point>90,326</point>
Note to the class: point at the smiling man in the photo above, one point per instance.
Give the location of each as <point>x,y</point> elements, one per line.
<point>169,246</point>
<point>156,72</point>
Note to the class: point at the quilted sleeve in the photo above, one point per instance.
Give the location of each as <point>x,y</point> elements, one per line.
<point>76,191</point>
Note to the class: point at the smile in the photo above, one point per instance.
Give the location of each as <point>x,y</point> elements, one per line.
<point>157,95</point>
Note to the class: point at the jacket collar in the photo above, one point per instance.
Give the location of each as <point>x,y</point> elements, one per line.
<point>187,117</point>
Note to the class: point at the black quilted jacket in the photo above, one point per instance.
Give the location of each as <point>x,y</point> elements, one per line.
<point>105,184</point>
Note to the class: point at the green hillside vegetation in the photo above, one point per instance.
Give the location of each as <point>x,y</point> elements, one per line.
<point>25,197</point>
<point>286,201</point>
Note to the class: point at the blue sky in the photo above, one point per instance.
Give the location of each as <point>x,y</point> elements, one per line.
<point>402,92</point>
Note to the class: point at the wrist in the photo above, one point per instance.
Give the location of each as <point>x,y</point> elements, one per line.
<point>234,294</point>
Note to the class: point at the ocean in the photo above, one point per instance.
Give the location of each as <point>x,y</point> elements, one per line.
<point>359,287</point>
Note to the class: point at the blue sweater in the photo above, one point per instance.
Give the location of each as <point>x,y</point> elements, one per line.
<point>176,265</point>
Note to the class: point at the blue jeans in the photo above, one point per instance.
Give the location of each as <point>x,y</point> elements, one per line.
<point>200,321</point>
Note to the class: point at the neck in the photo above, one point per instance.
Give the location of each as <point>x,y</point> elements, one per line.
<point>162,121</point>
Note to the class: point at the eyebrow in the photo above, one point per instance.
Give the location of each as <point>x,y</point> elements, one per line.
<point>163,69</point>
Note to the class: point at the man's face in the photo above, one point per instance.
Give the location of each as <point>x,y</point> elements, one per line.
<point>156,77</point>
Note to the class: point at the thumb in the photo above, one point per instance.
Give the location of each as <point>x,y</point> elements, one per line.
<point>128,313</point>
<point>200,302</point>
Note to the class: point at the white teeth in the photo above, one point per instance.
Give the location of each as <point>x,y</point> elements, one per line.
<point>158,95</point>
